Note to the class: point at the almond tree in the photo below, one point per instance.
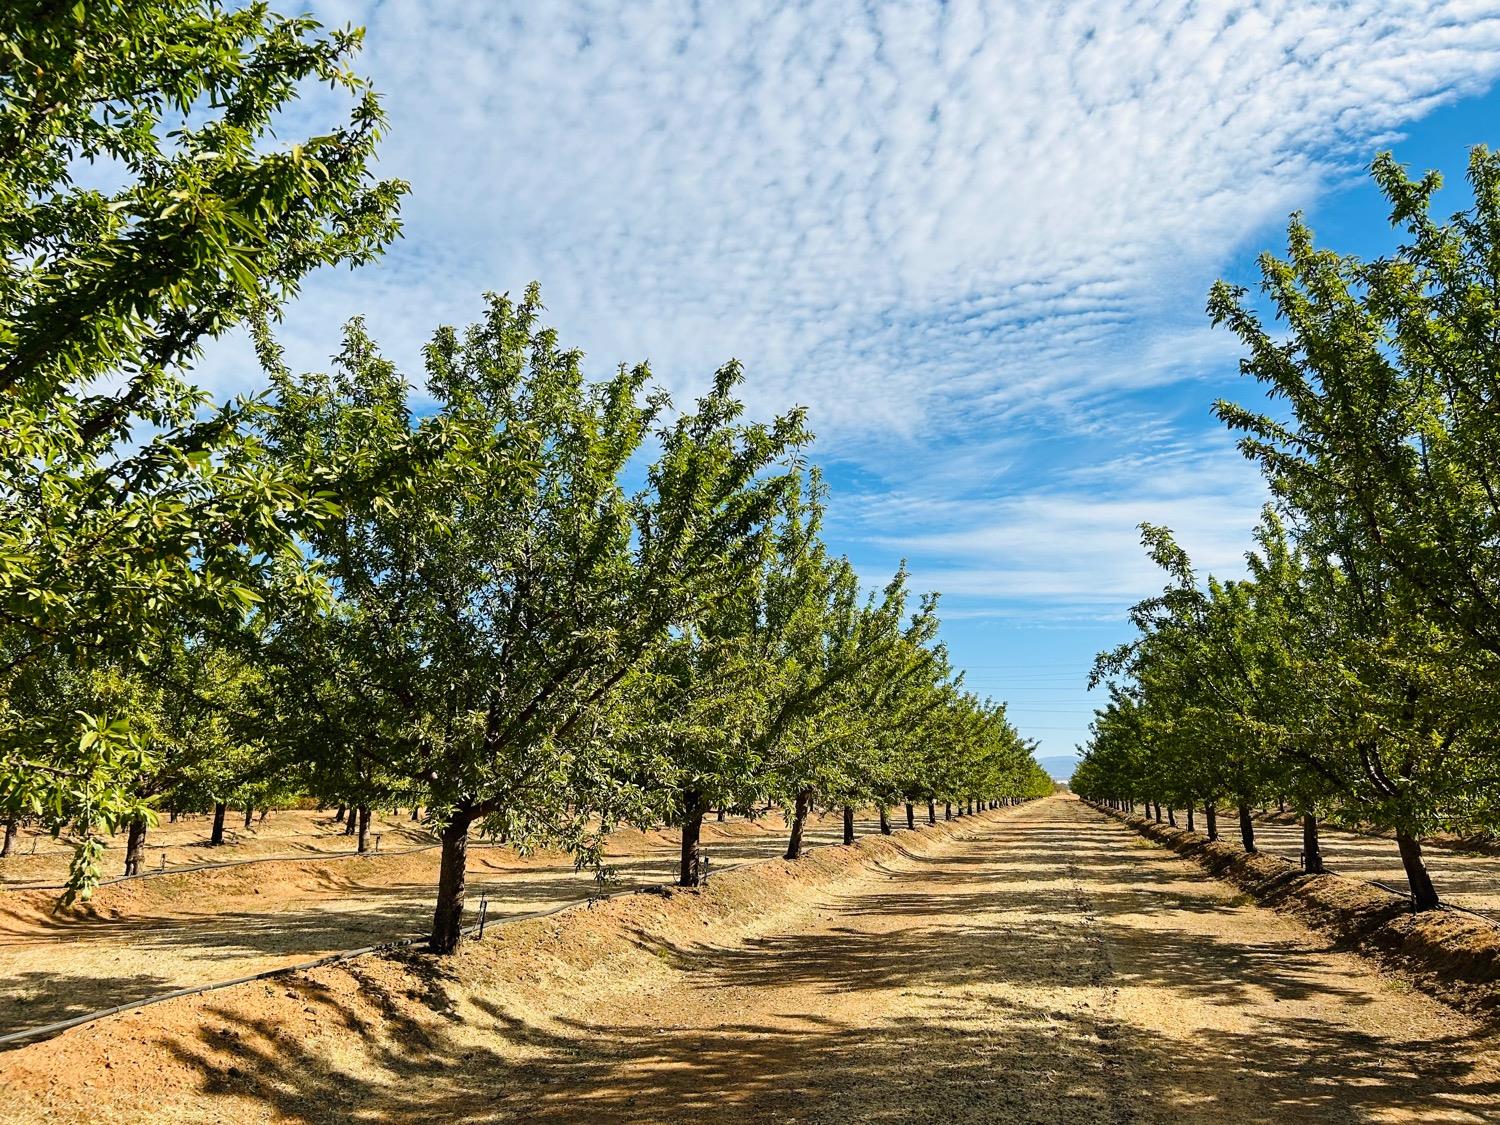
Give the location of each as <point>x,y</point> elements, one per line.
<point>498,586</point>
<point>1385,459</point>
<point>706,707</point>
<point>127,499</point>
<point>814,728</point>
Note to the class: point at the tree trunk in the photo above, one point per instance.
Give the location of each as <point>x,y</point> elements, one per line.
<point>721,815</point>
<point>885,822</point>
<point>447,917</point>
<point>1158,812</point>
<point>1171,819</point>
<point>351,823</point>
<point>848,824</point>
<point>947,810</point>
<point>338,817</point>
<point>799,822</point>
<point>1247,829</point>
<point>10,835</point>
<point>1312,853</point>
<point>690,868</point>
<point>931,812</point>
<point>1281,804</point>
<point>172,816</point>
<point>1211,818</point>
<point>364,828</point>
<point>911,816</point>
<point>1423,894</point>
<point>217,836</point>
<point>415,812</point>
<point>249,813</point>
<point>135,846</point>
<point>1190,816</point>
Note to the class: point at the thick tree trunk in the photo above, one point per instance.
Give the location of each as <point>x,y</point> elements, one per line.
<point>947,810</point>
<point>217,836</point>
<point>1281,804</point>
<point>885,822</point>
<point>848,824</point>
<point>447,917</point>
<point>1190,816</point>
<point>691,863</point>
<point>1158,812</point>
<point>1312,853</point>
<point>135,846</point>
<point>11,824</point>
<point>1171,818</point>
<point>1423,894</point>
<point>351,823</point>
<point>721,815</point>
<point>172,816</point>
<point>931,812</point>
<point>338,817</point>
<point>911,816</point>
<point>249,813</point>
<point>416,812</point>
<point>364,828</point>
<point>1211,818</point>
<point>1247,828</point>
<point>799,823</point>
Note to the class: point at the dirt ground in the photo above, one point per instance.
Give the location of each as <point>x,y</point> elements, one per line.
<point>148,936</point>
<point>1040,964</point>
<point>38,858</point>
<point>1466,879</point>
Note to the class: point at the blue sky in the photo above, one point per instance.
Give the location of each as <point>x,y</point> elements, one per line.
<point>974,237</point>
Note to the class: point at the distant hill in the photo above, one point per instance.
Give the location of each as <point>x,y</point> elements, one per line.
<point>1059,766</point>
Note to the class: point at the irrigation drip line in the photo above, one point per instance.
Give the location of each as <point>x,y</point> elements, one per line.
<point>48,1030</point>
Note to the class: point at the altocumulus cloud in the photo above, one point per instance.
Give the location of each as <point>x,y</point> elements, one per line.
<point>954,230</point>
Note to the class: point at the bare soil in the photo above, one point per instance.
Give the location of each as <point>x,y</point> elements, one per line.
<point>1036,964</point>
<point>143,937</point>
<point>1463,878</point>
<point>39,858</point>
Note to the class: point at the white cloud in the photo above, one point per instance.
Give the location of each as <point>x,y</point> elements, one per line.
<point>964,233</point>
<point>1073,545</point>
<point>898,213</point>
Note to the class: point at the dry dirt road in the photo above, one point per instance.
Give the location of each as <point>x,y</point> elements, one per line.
<point>1053,968</point>
<point>1043,964</point>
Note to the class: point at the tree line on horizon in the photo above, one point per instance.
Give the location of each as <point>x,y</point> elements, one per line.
<point>528,603</point>
<point>1352,671</point>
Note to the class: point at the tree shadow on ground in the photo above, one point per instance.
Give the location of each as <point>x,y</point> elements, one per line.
<point>1017,1064</point>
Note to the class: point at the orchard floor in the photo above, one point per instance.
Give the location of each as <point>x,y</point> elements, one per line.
<point>1042,964</point>
<point>1463,878</point>
<point>37,858</point>
<point>148,936</point>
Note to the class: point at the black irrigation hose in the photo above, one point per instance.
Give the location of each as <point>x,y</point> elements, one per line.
<point>48,1030</point>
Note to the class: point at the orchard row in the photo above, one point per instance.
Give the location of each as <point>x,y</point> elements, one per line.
<point>1353,670</point>
<point>526,602</point>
